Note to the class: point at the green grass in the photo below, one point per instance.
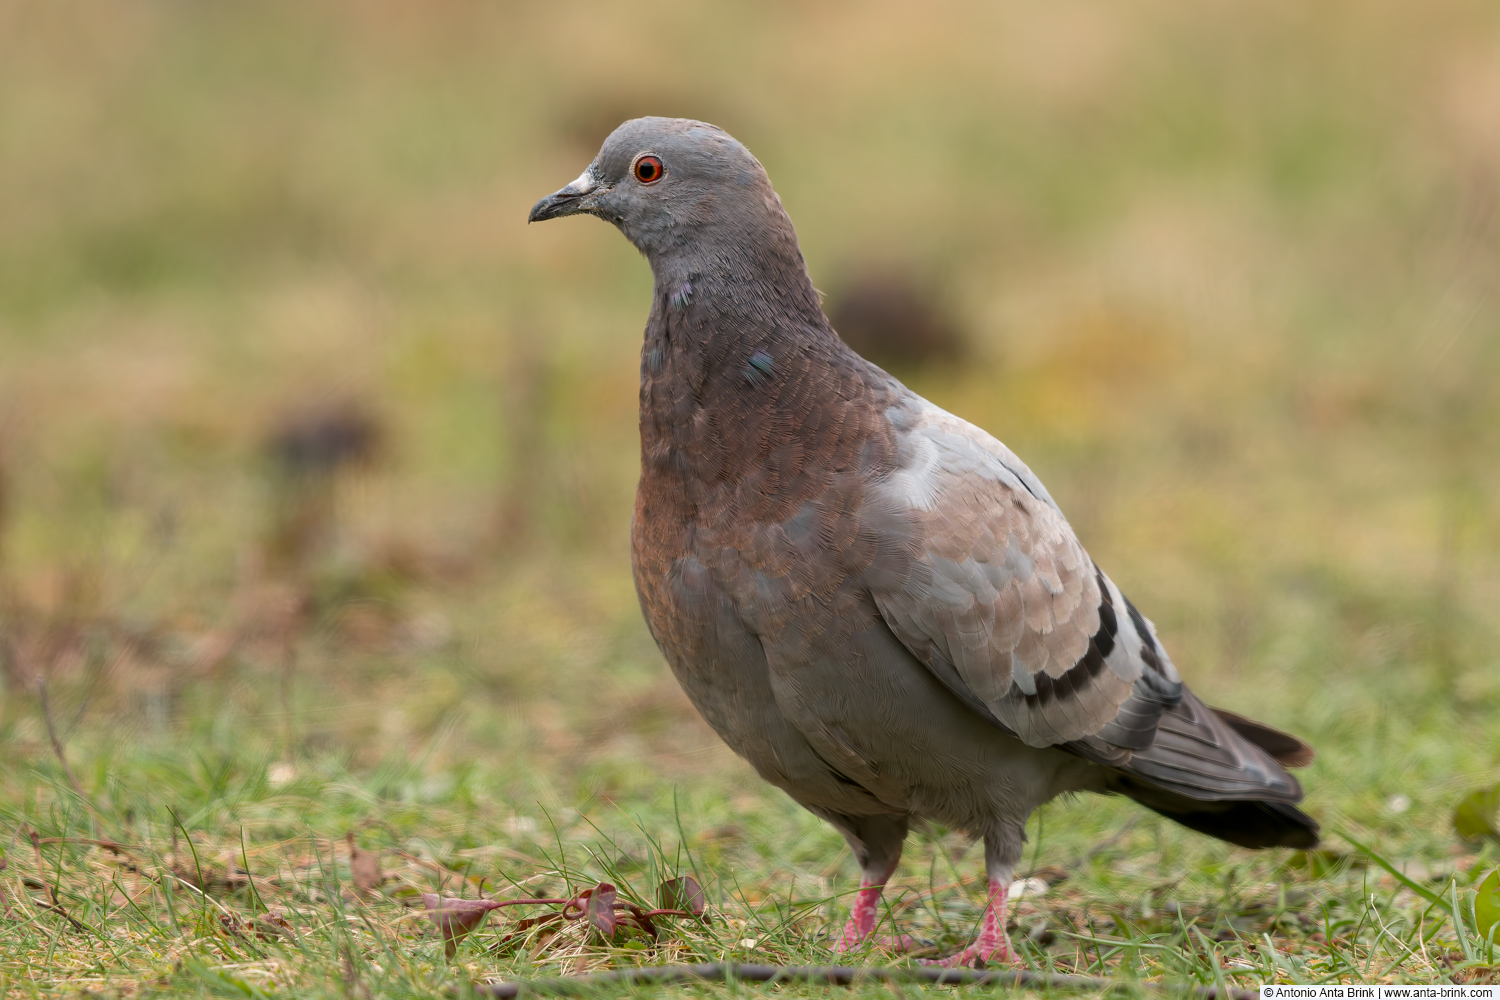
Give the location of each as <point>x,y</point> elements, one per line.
<point>1229,279</point>
<point>1131,897</point>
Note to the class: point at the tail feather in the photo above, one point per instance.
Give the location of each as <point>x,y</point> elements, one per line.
<point>1284,748</point>
<point>1245,823</point>
<point>1221,774</point>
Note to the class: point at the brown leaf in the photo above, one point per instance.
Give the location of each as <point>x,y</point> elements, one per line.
<point>365,867</point>
<point>1478,975</point>
<point>682,893</point>
<point>232,925</point>
<point>200,871</point>
<point>600,908</point>
<point>265,927</point>
<point>272,924</point>
<point>456,917</point>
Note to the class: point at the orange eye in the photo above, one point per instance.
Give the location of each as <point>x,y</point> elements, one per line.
<point>648,169</point>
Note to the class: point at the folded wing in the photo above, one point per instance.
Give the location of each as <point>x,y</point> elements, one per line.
<point>1005,606</point>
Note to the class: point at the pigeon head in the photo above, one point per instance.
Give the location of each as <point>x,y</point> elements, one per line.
<point>676,187</point>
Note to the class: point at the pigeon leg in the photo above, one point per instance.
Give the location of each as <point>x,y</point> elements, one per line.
<point>876,841</point>
<point>862,915</point>
<point>1002,849</point>
<point>865,914</point>
<point>992,944</point>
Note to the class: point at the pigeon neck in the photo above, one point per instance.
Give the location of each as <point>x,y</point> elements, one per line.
<point>729,349</point>
<point>744,291</point>
<point>710,314</point>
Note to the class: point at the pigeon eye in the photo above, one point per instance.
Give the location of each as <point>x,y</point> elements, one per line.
<point>648,169</point>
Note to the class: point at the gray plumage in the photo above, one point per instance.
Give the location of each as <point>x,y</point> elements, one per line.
<point>874,602</point>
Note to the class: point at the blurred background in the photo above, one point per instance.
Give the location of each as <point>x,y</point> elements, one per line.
<point>311,448</point>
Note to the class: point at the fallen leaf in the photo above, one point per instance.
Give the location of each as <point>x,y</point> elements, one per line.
<point>456,917</point>
<point>682,893</point>
<point>1027,887</point>
<point>202,874</point>
<point>365,867</point>
<point>600,907</point>
<point>272,924</point>
<point>265,927</point>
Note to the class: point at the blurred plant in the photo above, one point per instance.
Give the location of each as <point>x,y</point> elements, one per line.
<point>1322,862</point>
<point>8,608</point>
<point>894,320</point>
<point>1475,816</point>
<point>526,398</point>
<point>364,868</point>
<point>309,452</point>
<point>5,499</point>
<point>1487,904</point>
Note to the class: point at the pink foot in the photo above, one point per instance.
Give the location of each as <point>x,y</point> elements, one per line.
<point>862,917</point>
<point>896,944</point>
<point>992,945</point>
<point>977,953</point>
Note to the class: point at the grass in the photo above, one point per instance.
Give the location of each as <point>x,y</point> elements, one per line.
<point>228,874</point>
<point>1228,280</point>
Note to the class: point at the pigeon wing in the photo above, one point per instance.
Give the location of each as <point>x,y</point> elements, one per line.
<point>1002,603</point>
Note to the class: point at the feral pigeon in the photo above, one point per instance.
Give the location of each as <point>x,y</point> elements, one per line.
<point>871,600</point>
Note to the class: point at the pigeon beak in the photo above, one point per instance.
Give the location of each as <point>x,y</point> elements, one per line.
<point>571,200</point>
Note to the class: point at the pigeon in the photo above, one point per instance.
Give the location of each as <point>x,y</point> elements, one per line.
<point>872,601</point>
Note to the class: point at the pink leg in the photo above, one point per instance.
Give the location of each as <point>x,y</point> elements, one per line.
<point>876,843</point>
<point>992,943</point>
<point>863,916</point>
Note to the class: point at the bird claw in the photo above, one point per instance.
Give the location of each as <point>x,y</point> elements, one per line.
<point>993,944</point>
<point>976,956</point>
<point>894,944</point>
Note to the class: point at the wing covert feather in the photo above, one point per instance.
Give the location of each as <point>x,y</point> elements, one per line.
<point>1004,599</point>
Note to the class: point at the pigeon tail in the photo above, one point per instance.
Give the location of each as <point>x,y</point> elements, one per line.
<point>1284,748</point>
<point>1254,824</point>
<point>1221,774</point>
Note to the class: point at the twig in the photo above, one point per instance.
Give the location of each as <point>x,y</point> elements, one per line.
<point>77,924</point>
<point>56,905</point>
<point>832,975</point>
<point>57,748</point>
